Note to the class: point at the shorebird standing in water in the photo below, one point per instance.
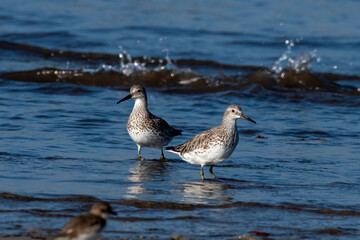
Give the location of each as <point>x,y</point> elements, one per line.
<point>86,226</point>
<point>144,128</point>
<point>214,145</point>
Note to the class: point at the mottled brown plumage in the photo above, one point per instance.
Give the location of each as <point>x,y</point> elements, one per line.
<point>86,226</point>
<point>214,145</point>
<point>205,140</point>
<point>144,128</point>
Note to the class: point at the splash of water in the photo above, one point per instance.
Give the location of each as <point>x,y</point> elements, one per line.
<point>299,63</point>
<point>169,64</point>
<point>128,66</point>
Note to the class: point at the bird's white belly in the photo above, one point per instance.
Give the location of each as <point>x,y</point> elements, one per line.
<point>82,236</point>
<point>148,138</point>
<point>210,156</point>
<point>88,236</point>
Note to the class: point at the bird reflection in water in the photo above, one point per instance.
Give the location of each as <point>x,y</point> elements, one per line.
<point>145,170</point>
<point>205,192</point>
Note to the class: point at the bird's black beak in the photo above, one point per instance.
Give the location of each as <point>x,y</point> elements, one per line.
<point>113,213</point>
<point>124,99</point>
<point>243,116</point>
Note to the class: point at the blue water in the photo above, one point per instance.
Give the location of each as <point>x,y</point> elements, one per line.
<point>60,139</point>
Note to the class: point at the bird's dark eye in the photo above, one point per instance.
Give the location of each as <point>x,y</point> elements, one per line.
<point>139,90</point>
<point>233,110</point>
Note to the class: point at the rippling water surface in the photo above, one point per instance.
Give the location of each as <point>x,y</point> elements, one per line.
<point>293,68</point>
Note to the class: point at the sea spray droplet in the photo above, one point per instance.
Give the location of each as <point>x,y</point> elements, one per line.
<point>298,63</point>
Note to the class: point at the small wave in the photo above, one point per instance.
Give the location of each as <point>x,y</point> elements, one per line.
<point>289,80</point>
<point>184,206</point>
<point>35,35</point>
<point>16,197</point>
<point>288,75</point>
<point>74,90</point>
<point>308,133</point>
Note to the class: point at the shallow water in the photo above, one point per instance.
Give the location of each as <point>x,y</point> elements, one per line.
<point>295,174</point>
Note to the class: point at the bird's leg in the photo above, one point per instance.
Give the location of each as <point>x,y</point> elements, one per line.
<point>202,173</point>
<point>211,171</point>
<point>139,150</point>
<point>162,157</point>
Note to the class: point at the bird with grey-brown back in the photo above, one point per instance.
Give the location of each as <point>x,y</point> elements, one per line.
<point>86,226</point>
<point>214,145</point>
<point>144,128</point>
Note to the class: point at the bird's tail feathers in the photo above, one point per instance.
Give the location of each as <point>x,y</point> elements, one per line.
<point>177,132</point>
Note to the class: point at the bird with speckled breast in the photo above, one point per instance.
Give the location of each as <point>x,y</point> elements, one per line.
<point>144,128</point>
<point>214,145</point>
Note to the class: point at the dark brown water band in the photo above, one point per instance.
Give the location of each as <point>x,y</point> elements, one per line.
<point>184,206</point>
